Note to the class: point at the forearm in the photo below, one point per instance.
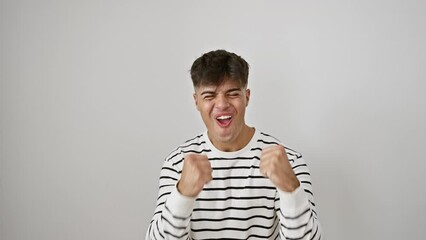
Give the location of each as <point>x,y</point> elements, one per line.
<point>172,219</point>
<point>298,218</point>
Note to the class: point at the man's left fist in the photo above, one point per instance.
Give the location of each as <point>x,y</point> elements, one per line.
<point>274,165</point>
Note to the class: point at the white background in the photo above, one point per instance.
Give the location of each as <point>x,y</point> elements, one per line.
<point>95,94</point>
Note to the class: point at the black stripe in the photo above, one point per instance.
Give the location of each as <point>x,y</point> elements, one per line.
<point>191,151</point>
<point>166,185</point>
<point>232,218</point>
<point>174,155</point>
<point>306,190</point>
<point>315,213</point>
<point>234,187</point>
<point>295,228</point>
<point>175,236</point>
<point>170,158</point>
<point>316,231</point>
<point>287,148</point>
<point>176,163</point>
<point>197,152</point>
<point>235,167</point>
<point>232,228</point>
<point>235,158</point>
<point>235,198</point>
<point>289,153</point>
<point>192,144</point>
<point>295,217</point>
<point>277,235</point>
<point>174,216</point>
<point>170,169</point>
<point>303,173</point>
<point>168,177</point>
<point>294,155</point>
<point>171,224</point>
<point>230,208</point>
<point>239,177</point>
<point>306,182</point>
<point>164,194</point>
<point>194,138</point>
<point>269,143</point>
<point>249,236</point>
<point>264,134</point>
<point>158,229</point>
<point>304,235</point>
<point>150,227</point>
<point>297,155</point>
<point>159,211</point>
<point>300,165</point>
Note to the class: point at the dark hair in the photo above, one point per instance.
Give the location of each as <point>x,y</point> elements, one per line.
<point>214,67</point>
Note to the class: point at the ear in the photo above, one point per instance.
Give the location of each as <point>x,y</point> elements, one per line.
<point>196,100</point>
<point>247,96</point>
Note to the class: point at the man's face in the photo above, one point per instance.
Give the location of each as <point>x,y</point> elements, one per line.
<point>222,109</point>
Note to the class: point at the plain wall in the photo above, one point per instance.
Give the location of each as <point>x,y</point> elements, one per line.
<point>95,94</point>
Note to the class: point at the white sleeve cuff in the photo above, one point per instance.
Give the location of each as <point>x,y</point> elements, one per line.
<point>293,202</point>
<point>179,204</point>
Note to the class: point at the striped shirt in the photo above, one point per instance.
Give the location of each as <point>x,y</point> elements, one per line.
<point>239,203</point>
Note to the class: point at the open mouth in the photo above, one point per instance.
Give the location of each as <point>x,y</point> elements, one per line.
<point>224,120</point>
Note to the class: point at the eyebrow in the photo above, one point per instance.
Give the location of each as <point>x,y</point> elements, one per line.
<point>234,90</point>
<point>214,92</point>
<point>208,92</point>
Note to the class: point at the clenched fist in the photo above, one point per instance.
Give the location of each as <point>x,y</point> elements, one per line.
<point>196,172</point>
<point>274,165</point>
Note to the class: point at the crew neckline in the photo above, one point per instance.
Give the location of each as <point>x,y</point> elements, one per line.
<point>235,153</point>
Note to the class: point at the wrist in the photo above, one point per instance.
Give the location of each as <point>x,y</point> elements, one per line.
<point>289,186</point>
<point>181,190</point>
<point>180,205</point>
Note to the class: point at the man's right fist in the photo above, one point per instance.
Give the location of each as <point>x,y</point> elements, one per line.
<point>196,172</point>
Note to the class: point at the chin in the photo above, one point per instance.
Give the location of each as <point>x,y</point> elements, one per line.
<point>225,137</point>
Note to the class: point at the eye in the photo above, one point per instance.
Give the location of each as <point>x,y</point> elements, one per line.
<point>234,94</point>
<point>208,97</point>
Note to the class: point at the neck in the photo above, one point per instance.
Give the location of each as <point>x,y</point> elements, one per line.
<point>237,144</point>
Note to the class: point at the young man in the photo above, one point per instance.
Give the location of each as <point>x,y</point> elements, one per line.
<point>232,181</point>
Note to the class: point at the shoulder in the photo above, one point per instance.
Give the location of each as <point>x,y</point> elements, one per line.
<point>195,144</point>
<point>266,139</point>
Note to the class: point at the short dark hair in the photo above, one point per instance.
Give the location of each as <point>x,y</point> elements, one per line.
<point>214,67</point>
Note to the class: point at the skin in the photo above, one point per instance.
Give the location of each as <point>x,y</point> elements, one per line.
<point>227,99</point>
<point>275,165</point>
<point>230,99</point>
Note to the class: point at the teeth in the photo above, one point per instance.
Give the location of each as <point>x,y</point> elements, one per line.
<point>224,117</point>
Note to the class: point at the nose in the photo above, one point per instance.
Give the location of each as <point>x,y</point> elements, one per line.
<point>222,102</point>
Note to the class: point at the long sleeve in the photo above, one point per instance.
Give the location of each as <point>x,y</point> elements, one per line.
<point>297,214</point>
<point>172,214</point>
<point>239,203</point>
